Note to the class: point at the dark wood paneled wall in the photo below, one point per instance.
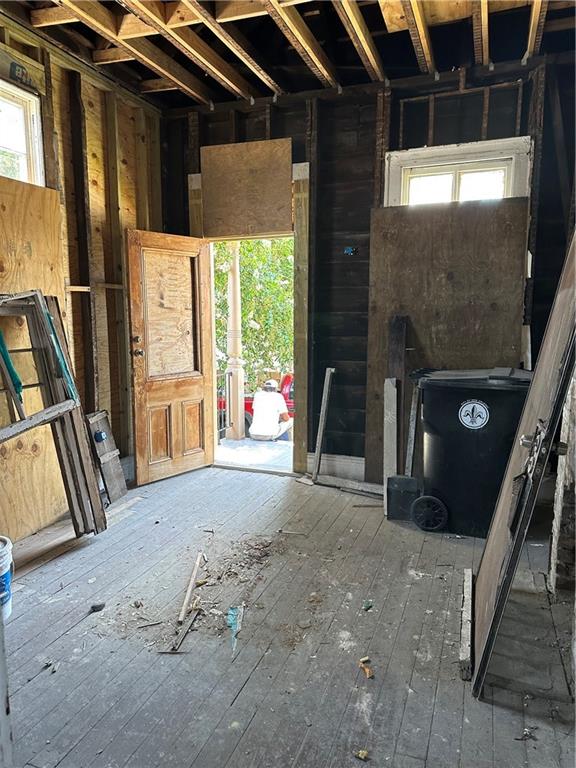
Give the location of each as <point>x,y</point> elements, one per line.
<point>344,137</point>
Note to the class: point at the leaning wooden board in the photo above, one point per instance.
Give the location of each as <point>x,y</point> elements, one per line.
<point>457,271</point>
<point>526,464</point>
<point>30,257</point>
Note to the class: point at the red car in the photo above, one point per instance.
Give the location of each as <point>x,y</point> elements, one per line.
<point>286,390</point>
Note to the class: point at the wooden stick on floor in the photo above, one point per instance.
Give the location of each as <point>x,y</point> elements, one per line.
<point>191,585</point>
<point>322,423</point>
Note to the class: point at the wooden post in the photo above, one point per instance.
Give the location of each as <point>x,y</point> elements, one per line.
<point>383,107</point>
<point>124,437</point>
<point>390,432</point>
<point>301,200</point>
<point>82,208</point>
<point>397,333</point>
<point>235,365</point>
<point>312,120</point>
<point>195,204</point>
<point>50,143</point>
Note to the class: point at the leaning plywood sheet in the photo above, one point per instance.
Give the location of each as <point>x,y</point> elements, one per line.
<point>526,464</point>
<point>457,271</point>
<point>247,189</point>
<point>30,257</point>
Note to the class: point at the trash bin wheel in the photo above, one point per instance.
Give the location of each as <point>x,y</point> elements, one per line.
<point>429,513</point>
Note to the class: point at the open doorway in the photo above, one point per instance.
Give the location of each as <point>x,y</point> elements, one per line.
<point>254,347</point>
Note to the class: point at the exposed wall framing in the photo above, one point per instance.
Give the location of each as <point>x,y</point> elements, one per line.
<point>102,153</point>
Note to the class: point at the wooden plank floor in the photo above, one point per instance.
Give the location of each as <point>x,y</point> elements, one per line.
<point>90,689</point>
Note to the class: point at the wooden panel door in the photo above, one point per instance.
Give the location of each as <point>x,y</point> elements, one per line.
<point>172,354</point>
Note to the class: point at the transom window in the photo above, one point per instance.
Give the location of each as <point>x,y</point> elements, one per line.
<point>480,170</point>
<point>20,135</point>
<point>456,182</point>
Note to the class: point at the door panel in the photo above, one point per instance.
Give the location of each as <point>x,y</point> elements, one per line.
<point>172,357</point>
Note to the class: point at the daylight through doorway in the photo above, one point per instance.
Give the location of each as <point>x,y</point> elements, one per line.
<point>254,316</point>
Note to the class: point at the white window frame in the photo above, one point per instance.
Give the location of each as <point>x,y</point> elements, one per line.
<point>33,126</point>
<point>515,154</point>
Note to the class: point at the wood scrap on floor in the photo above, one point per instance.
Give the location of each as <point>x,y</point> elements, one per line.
<point>316,463</point>
<point>106,455</point>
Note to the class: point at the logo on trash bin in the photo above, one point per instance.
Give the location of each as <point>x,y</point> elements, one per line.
<point>474,414</point>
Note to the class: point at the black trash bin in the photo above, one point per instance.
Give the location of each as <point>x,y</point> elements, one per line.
<point>469,421</point>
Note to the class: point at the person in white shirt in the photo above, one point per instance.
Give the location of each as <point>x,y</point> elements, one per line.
<point>270,418</point>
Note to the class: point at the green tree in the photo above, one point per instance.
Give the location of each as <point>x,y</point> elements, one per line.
<point>267,290</point>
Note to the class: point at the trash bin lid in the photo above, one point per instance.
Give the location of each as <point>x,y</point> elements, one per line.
<point>480,378</point>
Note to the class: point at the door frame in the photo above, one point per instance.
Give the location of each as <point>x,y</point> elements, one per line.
<point>300,233</point>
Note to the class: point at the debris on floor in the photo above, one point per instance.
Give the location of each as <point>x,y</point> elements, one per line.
<point>528,734</point>
<point>367,605</point>
<point>234,619</point>
<point>364,665</point>
<point>362,754</point>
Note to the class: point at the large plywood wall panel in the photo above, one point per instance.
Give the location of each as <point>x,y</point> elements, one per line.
<point>31,489</point>
<point>247,189</point>
<point>457,271</point>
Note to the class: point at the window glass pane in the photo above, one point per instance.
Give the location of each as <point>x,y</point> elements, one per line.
<point>12,126</point>
<point>13,164</point>
<point>482,185</point>
<point>430,189</point>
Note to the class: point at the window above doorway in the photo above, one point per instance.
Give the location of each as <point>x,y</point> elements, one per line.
<point>485,170</point>
<point>21,155</point>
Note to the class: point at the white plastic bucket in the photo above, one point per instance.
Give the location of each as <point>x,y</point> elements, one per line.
<point>5,577</point>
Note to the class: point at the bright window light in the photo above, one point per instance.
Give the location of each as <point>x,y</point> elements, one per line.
<point>21,155</point>
<point>436,188</point>
<point>482,185</point>
<point>456,182</point>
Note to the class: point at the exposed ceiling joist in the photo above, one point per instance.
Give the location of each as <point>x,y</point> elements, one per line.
<point>560,25</point>
<point>231,39</point>
<point>111,56</point>
<point>178,15</point>
<point>418,28</point>
<point>536,27</point>
<point>102,20</point>
<point>236,10</point>
<point>48,17</point>
<point>481,33</point>
<point>131,26</point>
<point>354,24</point>
<point>156,85</point>
<point>192,46</point>
<point>303,41</point>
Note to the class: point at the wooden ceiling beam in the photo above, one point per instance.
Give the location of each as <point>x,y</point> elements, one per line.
<point>560,25</point>
<point>303,41</point>
<point>354,24</point>
<point>49,17</point>
<point>111,56</point>
<point>156,85</point>
<point>480,32</point>
<point>99,18</point>
<point>232,41</point>
<point>130,27</point>
<point>236,10</point>
<point>418,28</point>
<point>178,15</point>
<point>536,28</point>
<point>192,46</point>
